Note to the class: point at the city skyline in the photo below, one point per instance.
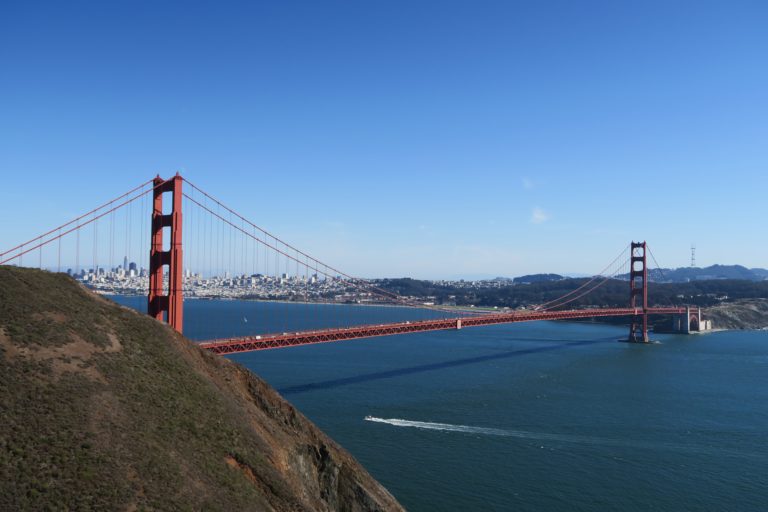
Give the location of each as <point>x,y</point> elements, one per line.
<point>434,141</point>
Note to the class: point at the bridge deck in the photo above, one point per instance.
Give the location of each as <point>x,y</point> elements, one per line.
<point>263,342</point>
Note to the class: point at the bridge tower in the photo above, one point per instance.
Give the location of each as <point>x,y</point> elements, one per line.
<point>638,288</point>
<point>170,306</point>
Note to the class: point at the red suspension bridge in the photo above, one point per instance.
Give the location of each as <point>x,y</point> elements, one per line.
<point>229,256</point>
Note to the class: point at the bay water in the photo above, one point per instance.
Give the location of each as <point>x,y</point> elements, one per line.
<point>533,416</point>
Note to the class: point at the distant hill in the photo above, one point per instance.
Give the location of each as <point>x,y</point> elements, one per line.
<point>685,274</point>
<point>106,409</point>
<point>614,292</point>
<point>537,278</point>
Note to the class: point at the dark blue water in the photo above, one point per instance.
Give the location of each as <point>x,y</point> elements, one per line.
<point>538,416</point>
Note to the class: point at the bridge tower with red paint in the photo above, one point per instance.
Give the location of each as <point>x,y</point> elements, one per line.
<point>638,293</point>
<point>166,306</point>
<point>258,263</point>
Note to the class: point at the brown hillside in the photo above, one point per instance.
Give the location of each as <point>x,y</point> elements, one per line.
<point>740,314</point>
<point>102,408</point>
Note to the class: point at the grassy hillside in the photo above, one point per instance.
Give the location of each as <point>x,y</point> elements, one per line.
<point>106,409</point>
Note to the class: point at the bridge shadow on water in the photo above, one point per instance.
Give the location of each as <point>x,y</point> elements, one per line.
<point>398,372</point>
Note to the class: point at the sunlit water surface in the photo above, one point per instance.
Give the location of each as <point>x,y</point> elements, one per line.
<point>536,416</point>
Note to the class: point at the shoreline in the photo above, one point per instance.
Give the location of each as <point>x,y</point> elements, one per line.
<point>458,310</point>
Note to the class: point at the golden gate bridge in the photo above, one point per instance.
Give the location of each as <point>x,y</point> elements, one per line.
<point>218,237</point>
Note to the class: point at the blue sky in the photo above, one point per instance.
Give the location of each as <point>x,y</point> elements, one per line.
<point>430,139</point>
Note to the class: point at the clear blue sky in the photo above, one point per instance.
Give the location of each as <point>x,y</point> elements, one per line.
<point>431,139</point>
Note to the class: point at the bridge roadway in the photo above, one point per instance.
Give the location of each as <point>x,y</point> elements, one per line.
<point>292,339</point>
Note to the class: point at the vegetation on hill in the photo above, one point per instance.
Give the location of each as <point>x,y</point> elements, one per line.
<point>106,409</point>
<point>614,293</point>
<point>537,278</point>
<point>684,274</point>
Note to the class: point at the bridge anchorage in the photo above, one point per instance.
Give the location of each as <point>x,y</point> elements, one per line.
<point>241,259</point>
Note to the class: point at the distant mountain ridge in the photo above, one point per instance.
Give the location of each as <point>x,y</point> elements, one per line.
<point>664,275</point>
<point>673,275</point>
<point>686,274</point>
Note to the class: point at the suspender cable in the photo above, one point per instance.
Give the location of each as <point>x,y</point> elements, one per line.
<point>77,252</point>
<point>73,221</point>
<point>111,239</point>
<point>96,248</point>
<point>594,278</point>
<point>58,267</point>
<point>329,272</point>
<point>41,241</point>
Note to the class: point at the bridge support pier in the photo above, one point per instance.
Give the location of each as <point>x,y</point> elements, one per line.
<point>170,306</point>
<point>638,289</point>
<point>689,322</point>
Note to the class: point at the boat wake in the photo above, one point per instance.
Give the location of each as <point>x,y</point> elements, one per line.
<point>467,429</point>
<point>554,438</point>
<point>543,437</point>
<point>441,426</point>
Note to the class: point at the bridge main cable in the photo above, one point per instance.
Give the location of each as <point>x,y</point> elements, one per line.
<point>356,282</point>
<point>558,301</point>
<point>76,219</point>
<point>77,227</point>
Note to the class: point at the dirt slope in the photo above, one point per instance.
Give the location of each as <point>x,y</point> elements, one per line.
<point>741,314</point>
<point>105,409</point>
